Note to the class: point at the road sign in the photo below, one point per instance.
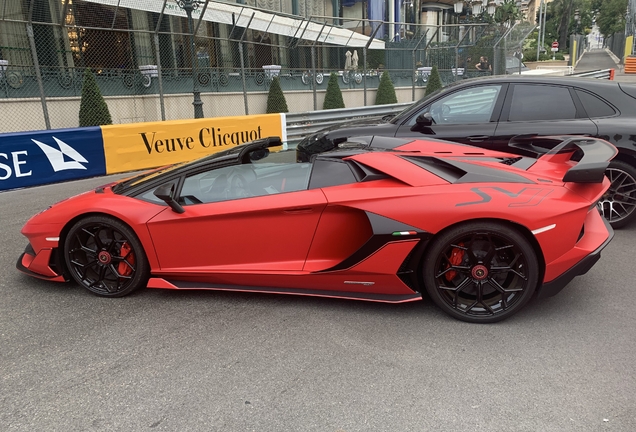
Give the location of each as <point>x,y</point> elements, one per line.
<point>555,46</point>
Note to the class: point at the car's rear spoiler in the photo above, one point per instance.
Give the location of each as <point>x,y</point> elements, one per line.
<point>596,154</point>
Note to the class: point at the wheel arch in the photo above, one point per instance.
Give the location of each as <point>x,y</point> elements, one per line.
<point>416,259</point>
<point>627,157</point>
<point>67,227</point>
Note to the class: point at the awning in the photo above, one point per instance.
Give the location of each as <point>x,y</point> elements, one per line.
<point>239,15</point>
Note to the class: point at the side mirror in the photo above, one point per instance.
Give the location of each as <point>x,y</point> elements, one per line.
<point>425,119</point>
<point>164,193</point>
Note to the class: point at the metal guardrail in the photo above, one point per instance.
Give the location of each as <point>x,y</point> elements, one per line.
<point>598,74</point>
<point>305,123</point>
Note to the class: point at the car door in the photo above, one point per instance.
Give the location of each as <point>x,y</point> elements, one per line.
<point>240,218</point>
<point>468,115</point>
<point>541,109</point>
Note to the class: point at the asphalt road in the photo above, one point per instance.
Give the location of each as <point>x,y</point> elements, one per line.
<point>213,361</point>
<point>594,60</point>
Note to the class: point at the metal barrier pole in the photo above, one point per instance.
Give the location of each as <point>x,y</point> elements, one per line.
<point>538,32</point>
<point>313,66</point>
<point>364,75</point>
<point>240,47</point>
<point>162,105</point>
<point>313,76</point>
<point>364,58</point>
<point>415,65</point>
<point>36,64</point>
<point>495,50</point>
<point>247,110</point>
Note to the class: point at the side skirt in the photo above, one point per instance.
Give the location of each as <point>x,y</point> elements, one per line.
<point>373,297</point>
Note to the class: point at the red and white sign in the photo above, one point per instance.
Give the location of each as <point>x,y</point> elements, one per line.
<point>555,46</point>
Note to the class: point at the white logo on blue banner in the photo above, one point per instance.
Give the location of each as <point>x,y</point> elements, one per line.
<point>40,157</point>
<point>56,157</point>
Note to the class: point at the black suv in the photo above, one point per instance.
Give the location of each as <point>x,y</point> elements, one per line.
<point>488,111</point>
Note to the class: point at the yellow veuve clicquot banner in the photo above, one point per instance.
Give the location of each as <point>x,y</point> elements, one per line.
<point>130,147</point>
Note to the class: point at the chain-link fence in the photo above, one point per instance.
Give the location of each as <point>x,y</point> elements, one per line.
<point>153,59</point>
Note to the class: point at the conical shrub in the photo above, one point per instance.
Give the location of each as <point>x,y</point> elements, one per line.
<point>333,97</point>
<point>386,91</point>
<point>276,102</point>
<point>434,82</point>
<point>93,108</point>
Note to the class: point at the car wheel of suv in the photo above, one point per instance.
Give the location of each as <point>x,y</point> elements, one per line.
<point>618,205</point>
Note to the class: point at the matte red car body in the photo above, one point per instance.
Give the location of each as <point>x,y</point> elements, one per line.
<point>302,242</point>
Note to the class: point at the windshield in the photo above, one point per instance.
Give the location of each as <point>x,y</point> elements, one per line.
<point>257,155</point>
<point>146,175</point>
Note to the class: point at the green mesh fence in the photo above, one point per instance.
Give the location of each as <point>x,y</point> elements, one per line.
<point>149,63</point>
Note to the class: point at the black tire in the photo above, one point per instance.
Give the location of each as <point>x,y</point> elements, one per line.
<point>480,272</point>
<point>618,205</point>
<point>105,256</point>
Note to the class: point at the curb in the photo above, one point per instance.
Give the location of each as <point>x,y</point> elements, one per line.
<point>613,56</point>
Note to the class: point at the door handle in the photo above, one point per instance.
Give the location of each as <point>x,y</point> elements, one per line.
<point>298,210</point>
<point>476,138</point>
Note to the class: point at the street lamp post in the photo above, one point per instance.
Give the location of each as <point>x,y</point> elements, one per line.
<point>189,6</point>
<point>577,21</point>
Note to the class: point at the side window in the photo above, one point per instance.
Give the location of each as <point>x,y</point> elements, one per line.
<point>469,106</point>
<point>244,181</point>
<point>594,107</point>
<point>327,173</point>
<point>208,186</point>
<point>541,102</point>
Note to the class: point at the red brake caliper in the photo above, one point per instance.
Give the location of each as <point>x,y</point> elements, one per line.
<point>123,268</point>
<point>456,258</point>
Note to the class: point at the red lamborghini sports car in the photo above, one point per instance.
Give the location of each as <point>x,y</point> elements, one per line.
<point>480,231</point>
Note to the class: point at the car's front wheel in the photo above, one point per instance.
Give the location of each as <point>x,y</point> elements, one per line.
<point>105,256</point>
<point>618,205</point>
<point>481,272</point>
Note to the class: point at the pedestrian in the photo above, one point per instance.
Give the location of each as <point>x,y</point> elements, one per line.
<point>483,65</point>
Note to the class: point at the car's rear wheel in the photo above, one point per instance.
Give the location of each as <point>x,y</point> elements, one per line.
<point>105,256</point>
<point>618,205</point>
<point>481,272</point>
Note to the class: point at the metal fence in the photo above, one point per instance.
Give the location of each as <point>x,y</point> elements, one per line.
<point>616,44</point>
<point>151,58</point>
<point>578,45</point>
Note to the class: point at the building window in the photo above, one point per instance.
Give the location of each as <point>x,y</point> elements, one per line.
<point>92,45</point>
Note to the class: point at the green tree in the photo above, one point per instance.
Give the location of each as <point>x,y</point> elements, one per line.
<point>333,98</point>
<point>276,102</point>
<point>560,21</point>
<point>434,82</point>
<point>507,13</point>
<point>93,109</point>
<point>386,91</point>
<point>611,17</point>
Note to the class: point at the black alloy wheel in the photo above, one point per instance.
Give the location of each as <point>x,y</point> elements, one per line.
<point>481,272</point>
<point>105,256</point>
<point>618,204</point>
